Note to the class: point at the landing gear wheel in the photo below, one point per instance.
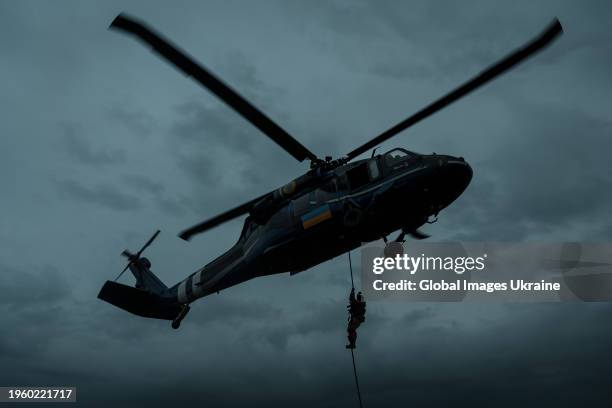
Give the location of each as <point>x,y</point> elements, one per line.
<point>176,323</point>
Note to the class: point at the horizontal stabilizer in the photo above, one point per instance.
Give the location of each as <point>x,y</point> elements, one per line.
<point>138,301</point>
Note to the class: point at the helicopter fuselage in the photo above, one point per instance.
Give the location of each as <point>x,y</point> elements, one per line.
<point>360,202</point>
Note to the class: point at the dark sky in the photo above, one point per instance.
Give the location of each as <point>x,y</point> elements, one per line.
<point>102,143</point>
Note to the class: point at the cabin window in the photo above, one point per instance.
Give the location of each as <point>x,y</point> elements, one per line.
<point>322,196</point>
<point>342,182</point>
<point>329,186</point>
<point>358,176</point>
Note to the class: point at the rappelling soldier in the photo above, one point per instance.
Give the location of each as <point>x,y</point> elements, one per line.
<point>357,310</point>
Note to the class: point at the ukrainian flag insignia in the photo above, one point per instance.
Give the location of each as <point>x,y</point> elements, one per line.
<point>316,216</point>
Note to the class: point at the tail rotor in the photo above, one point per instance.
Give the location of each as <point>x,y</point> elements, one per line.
<point>134,257</point>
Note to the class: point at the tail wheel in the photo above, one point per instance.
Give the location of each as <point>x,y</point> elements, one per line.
<point>176,323</point>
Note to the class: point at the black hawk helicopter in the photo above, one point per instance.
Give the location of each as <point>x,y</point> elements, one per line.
<point>331,209</point>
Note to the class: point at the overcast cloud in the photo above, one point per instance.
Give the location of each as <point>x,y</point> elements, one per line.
<point>102,143</point>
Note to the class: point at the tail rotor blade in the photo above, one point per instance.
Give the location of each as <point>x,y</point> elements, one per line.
<point>133,257</point>
<point>147,244</point>
<point>123,271</point>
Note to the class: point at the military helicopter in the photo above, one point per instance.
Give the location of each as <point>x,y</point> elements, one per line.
<point>333,208</point>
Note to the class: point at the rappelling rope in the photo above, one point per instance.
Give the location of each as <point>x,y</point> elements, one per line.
<point>351,268</point>
<point>353,354</point>
<point>356,379</point>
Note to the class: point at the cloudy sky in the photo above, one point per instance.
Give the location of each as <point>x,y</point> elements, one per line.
<point>102,143</point>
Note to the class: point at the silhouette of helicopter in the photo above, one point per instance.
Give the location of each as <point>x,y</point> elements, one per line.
<point>331,209</point>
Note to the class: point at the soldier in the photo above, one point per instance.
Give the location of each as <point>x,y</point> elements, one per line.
<point>357,309</point>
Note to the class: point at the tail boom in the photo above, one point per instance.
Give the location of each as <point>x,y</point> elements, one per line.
<point>140,302</point>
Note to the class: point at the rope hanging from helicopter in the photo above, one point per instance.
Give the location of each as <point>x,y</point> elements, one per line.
<point>351,269</point>
<point>352,349</point>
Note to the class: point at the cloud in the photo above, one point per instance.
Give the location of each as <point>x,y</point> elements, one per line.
<point>139,123</point>
<point>144,184</point>
<point>104,195</point>
<point>80,149</point>
<point>23,288</point>
<point>418,315</point>
<point>538,179</point>
<point>158,194</point>
<point>31,306</point>
<point>333,74</point>
<point>172,206</point>
<point>234,312</point>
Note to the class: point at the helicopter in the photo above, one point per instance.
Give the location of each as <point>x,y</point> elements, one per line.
<point>333,208</point>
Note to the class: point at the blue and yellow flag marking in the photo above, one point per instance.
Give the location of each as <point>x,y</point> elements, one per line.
<point>316,216</point>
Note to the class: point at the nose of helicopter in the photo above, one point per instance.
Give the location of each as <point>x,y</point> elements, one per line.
<point>455,175</point>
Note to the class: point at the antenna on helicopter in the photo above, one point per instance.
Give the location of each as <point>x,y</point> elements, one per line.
<point>135,257</point>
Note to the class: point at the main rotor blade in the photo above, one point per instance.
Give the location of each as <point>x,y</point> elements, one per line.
<point>549,34</point>
<point>190,67</point>
<point>219,219</point>
<point>147,244</point>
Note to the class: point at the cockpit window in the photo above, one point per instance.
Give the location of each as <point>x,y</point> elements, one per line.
<point>395,156</point>
<point>248,228</point>
<point>373,169</point>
